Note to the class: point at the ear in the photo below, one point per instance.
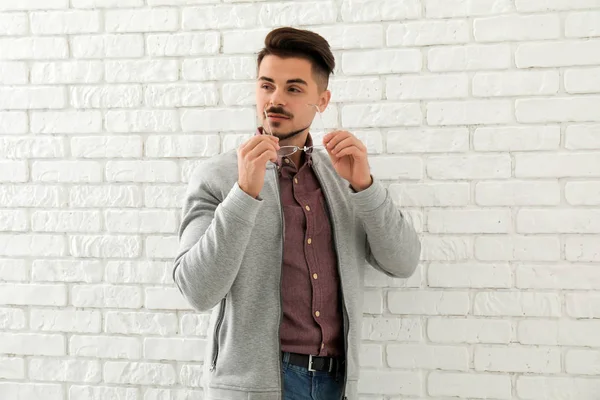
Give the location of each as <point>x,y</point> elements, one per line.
<point>324,100</point>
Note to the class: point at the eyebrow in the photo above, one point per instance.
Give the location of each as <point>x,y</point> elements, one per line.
<point>296,80</point>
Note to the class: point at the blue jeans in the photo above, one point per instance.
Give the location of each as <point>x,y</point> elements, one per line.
<point>301,384</point>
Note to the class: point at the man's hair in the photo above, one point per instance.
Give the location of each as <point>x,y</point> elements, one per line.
<point>290,42</point>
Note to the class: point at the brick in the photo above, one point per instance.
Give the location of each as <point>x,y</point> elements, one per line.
<point>379,10</point>
<point>542,388</point>
<point>33,48</point>
<point>141,323</point>
<point>469,57</point>
<point>107,147</point>
<point>105,196</point>
<point>346,37</point>
<point>163,196</point>
<point>428,357</point>
<point>469,275</point>
<point>469,112</point>
<point>559,165</point>
<point>142,121</point>
<point>142,71</point>
<point>191,376</point>
<point>582,362</point>
<point>516,138</point>
<point>427,87</point>
<point>558,54</point>
<point>12,319</point>
<point>519,83</point>
<point>355,89</point>
<point>13,122</point>
<point>32,245</point>
<point>446,248</point>
<point>469,221</point>
<point>238,16</point>
<point>182,146</point>
<point>430,194</point>
<point>66,171</point>
<point>97,246</point>
<point>13,24</point>
<point>517,359</point>
<point>147,20</point>
<point>291,14</point>
<point>32,147</point>
<point>105,346</point>
<point>179,349</point>
<point>562,221</point>
<point>392,329</point>
<point>583,24</point>
<point>64,23</point>
<point>217,119</point>
<point>373,302</point>
<point>516,28</point>
<point>558,277</point>
<point>114,96</point>
<point>106,3</point>
<point>31,391</point>
<point>582,248</point>
<point>65,221</point>
<point>158,298</point>
<point>65,370</point>
<point>139,373</point>
<point>539,332</point>
<point>183,44</point>
<point>139,272</point>
<point>381,61</point>
<point>394,167</point>
<point>66,270</point>
<point>371,355</point>
<point>23,98</point>
<point>32,344</point>
<point>107,46</point>
<point>142,171</point>
<point>161,246</point>
<point>558,109</point>
<point>12,368</point>
<point>554,5</point>
<point>583,305</point>
<point>428,303</point>
<point>13,171</point>
<point>30,294</point>
<point>427,33</point>
<point>381,115</point>
<point>102,392</point>
<point>66,321</point>
<point>195,324</point>
<point>517,304</point>
<point>219,68</point>
<point>146,221</point>
<point>582,136</point>
<point>67,72</point>
<point>99,296</point>
<point>12,73</point>
<point>582,80</point>
<point>181,95</point>
<point>34,5</point>
<point>16,270</point>
<point>469,167</point>
<point>32,196</point>
<point>244,41</point>
<point>461,8</point>
<point>517,193</point>
<point>485,386</point>
<point>66,122</point>
<point>390,382</point>
<point>468,330</point>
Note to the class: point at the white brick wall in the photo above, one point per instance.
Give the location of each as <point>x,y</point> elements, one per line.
<point>481,116</point>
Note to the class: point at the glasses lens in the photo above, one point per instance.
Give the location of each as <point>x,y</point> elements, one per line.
<point>285,151</point>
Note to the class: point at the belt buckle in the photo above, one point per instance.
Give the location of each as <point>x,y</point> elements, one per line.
<point>310,363</point>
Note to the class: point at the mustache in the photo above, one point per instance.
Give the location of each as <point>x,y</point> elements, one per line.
<point>279,110</point>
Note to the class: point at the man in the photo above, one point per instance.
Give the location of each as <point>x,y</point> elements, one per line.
<point>276,241</point>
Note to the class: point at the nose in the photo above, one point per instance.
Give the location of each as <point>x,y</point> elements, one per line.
<point>277,98</point>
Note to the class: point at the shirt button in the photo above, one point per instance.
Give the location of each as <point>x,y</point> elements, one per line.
<point>309,241</point>
<point>307,208</point>
<point>315,276</point>
<point>322,345</point>
<point>296,180</point>
<point>317,314</point>
<point>285,160</point>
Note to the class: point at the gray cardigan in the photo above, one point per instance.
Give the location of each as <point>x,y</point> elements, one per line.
<point>230,258</point>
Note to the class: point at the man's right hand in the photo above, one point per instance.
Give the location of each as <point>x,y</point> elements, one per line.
<point>253,156</point>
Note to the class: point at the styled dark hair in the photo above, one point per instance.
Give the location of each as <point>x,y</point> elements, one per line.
<point>289,42</point>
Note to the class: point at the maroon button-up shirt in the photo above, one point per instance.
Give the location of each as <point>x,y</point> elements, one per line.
<point>312,310</point>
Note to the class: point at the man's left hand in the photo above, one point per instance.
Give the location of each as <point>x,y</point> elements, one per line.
<point>349,158</point>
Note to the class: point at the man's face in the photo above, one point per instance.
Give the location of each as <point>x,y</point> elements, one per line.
<point>286,88</point>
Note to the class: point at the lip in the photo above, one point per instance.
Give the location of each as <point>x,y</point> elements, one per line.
<point>277,117</point>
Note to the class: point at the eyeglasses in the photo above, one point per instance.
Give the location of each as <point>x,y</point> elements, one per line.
<point>286,151</point>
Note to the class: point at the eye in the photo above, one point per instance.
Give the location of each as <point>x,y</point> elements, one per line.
<point>295,89</point>
<point>265,86</point>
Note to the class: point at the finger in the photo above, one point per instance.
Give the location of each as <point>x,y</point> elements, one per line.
<point>351,151</point>
<point>268,155</point>
<point>336,138</point>
<point>257,140</point>
<point>261,148</point>
<point>349,141</point>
